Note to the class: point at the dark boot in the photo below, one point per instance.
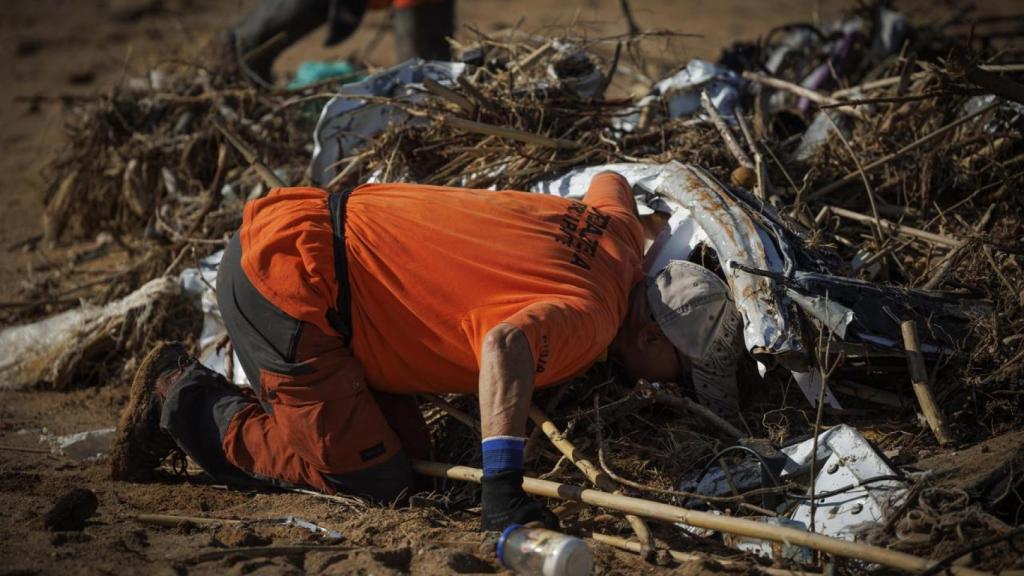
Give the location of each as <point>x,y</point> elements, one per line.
<point>423,30</point>
<point>262,34</point>
<point>141,445</point>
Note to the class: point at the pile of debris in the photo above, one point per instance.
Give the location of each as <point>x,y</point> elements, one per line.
<point>855,185</point>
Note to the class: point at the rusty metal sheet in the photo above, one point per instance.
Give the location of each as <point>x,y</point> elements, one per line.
<point>737,239</point>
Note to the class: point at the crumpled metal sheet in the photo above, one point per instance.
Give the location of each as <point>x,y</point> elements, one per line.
<point>833,316</point>
<point>347,122</point>
<point>737,240</point>
<point>943,322</point>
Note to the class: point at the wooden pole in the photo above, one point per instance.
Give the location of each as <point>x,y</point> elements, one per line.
<point>938,239</point>
<point>596,476</point>
<point>510,133</point>
<point>171,521</point>
<point>675,514</point>
<point>801,91</point>
<point>452,411</point>
<point>723,130</point>
<point>450,95</point>
<point>919,380</point>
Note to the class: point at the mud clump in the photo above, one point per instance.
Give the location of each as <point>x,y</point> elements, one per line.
<point>71,510</point>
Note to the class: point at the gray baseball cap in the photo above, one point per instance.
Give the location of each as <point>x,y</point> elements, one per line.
<point>696,312</point>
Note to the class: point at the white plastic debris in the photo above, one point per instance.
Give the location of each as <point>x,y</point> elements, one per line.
<point>853,486</point>
<point>82,445</point>
<point>311,526</point>
<point>818,134</point>
<point>577,71</point>
<point>348,122</point>
<point>774,550</point>
<point>857,482</point>
<point>643,178</point>
<point>196,284</point>
<point>681,91</point>
<point>810,384</point>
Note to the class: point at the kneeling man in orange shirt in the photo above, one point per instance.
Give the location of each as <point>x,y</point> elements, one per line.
<point>342,307</point>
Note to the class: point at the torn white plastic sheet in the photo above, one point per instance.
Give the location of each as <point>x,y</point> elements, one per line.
<point>643,178</point>
<point>196,284</point>
<point>679,94</point>
<point>82,445</point>
<point>857,481</point>
<point>348,123</point>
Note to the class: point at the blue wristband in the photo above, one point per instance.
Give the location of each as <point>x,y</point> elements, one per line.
<point>502,454</point>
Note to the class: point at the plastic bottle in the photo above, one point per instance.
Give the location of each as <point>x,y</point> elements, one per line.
<point>543,552</point>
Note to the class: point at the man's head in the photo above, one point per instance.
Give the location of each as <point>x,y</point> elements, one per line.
<point>642,347</point>
<point>681,318</point>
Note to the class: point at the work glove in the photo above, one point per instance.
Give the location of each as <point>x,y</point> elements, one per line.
<point>504,502</point>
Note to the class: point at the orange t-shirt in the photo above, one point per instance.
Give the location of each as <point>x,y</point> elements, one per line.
<point>433,269</point>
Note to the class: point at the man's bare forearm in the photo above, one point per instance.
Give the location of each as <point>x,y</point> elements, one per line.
<point>506,382</point>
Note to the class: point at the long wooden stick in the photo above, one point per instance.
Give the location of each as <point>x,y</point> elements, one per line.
<point>801,91</point>
<point>249,154</point>
<point>689,406</point>
<point>510,133</point>
<point>452,411</point>
<point>596,476</point>
<point>261,551</point>
<point>919,380</point>
<point>872,166</point>
<point>450,95</point>
<point>172,521</point>
<point>892,80</point>
<point>723,130</point>
<point>898,228</point>
<point>675,514</point>
<point>624,544</point>
<point>764,186</point>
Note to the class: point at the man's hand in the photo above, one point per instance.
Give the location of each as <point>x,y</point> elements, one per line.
<point>504,503</point>
<point>506,388</point>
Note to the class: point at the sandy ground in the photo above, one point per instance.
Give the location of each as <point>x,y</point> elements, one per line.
<point>58,50</point>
